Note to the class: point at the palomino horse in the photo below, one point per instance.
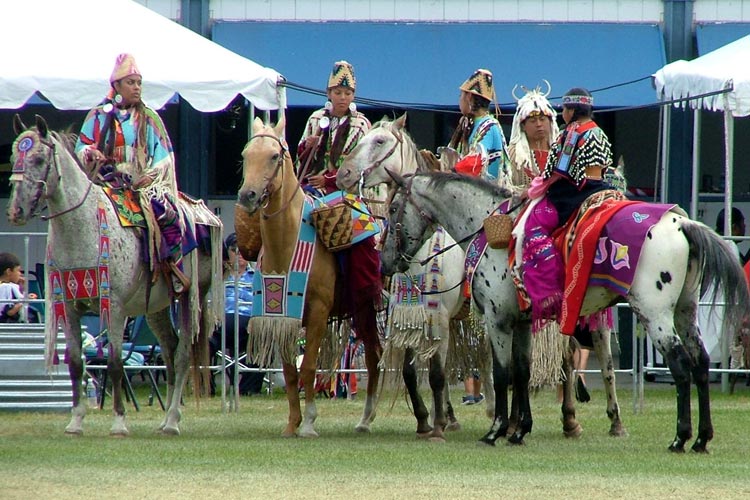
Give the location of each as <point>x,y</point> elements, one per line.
<point>388,147</point>
<point>677,257</point>
<point>270,185</point>
<point>45,171</point>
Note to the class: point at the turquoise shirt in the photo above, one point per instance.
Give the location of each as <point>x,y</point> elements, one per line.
<point>491,137</point>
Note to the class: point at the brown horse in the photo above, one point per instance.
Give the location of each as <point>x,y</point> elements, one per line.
<point>270,185</point>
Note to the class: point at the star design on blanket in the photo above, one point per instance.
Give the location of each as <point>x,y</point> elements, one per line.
<point>620,255</point>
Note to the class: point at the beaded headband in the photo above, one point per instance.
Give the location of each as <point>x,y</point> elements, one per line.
<point>578,99</point>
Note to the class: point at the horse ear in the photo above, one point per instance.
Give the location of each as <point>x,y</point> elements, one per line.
<point>401,121</point>
<point>400,182</point>
<point>280,125</point>
<point>257,125</point>
<point>41,126</point>
<point>18,125</point>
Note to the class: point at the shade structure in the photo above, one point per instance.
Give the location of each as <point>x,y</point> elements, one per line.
<point>712,72</point>
<point>65,51</point>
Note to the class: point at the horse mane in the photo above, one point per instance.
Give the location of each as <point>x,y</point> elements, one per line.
<point>438,180</point>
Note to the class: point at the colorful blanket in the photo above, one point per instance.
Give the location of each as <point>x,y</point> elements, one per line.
<point>603,250</point>
<point>127,206</point>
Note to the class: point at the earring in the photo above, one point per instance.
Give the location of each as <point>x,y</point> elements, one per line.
<point>118,99</point>
<point>328,106</point>
<point>352,107</point>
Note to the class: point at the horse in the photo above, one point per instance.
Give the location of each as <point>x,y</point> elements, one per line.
<point>270,185</point>
<point>677,258</point>
<point>388,147</point>
<point>46,171</point>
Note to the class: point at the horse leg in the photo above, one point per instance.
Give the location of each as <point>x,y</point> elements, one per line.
<point>116,374</point>
<point>571,427</point>
<point>700,365</point>
<point>450,414</point>
<point>521,351</point>
<point>161,324</point>
<point>603,350</point>
<point>291,383</point>
<point>500,377</point>
<point>678,361</point>
<point>437,384</point>
<point>316,328</point>
<point>372,359</point>
<point>75,369</point>
<point>421,413</point>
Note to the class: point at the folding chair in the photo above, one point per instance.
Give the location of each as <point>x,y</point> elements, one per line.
<point>143,341</point>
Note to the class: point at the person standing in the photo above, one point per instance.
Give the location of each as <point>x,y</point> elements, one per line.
<point>123,133</point>
<point>478,138</point>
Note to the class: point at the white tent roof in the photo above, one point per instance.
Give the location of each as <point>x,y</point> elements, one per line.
<point>66,50</point>
<point>708,73</point>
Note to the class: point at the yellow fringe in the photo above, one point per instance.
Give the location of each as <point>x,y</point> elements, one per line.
<point>548,347</point>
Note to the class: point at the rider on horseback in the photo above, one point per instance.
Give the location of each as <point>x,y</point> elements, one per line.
<point>573,172</point>
<point>123,130</point>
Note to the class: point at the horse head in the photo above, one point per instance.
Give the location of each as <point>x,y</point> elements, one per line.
<point>407,228</point>
<point>34,156</point>
<point>265,165</point>
<point>376,151</point>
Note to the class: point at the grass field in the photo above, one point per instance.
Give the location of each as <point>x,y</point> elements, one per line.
<point>241,455</point>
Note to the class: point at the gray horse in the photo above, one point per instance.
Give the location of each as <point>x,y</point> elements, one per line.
<point>46,172</point>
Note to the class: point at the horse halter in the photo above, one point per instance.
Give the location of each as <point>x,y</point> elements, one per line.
<point>267,189</point>
<point>398,227</point>
<point>399,141</point>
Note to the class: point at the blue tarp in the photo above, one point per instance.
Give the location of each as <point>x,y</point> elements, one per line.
<point>712,36</point>
<point>426,62</point>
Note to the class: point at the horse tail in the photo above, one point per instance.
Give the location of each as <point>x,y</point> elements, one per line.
<point>719,269</point>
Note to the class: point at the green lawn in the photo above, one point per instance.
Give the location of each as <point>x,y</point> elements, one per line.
<point>241,455</point>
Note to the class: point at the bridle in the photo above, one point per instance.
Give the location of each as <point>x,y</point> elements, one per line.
<point>398,227</point>
<point>267,189</point>
<point>376,164</point>
<point>44,192</point>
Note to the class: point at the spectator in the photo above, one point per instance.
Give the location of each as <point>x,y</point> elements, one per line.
<point>11,281</point>
<point>238,272</point>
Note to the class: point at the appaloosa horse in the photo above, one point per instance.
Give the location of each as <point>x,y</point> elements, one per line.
<point>270,185</point>
<point>677,257</point>
<point>85,236</point>
<point>387,147</point>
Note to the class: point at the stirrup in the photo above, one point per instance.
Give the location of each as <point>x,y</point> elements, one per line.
<point>180,281</point>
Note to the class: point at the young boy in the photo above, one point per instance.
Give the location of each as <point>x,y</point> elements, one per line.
<point>10,288</point>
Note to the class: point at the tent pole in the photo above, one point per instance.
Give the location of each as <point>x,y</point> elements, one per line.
<point>696,164</point>
<point>728,189</point>
<point>251,119</point>
<point>666,130</point>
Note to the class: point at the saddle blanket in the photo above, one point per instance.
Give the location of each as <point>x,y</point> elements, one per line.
<point>603,250</point>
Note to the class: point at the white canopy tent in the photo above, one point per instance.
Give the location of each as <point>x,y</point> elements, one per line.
<point>65,50</point>
<point>725,74</point>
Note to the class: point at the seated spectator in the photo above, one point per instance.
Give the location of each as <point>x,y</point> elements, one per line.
<point>241,302</point>
<point>11,281</point>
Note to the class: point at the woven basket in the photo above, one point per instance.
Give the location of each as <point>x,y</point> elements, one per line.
<point>334,226</point>
<point>247,228</point>
<point>497,228</point>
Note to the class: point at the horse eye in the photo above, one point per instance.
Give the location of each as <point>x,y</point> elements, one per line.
<point>275,157</point>
<point>380,141</point>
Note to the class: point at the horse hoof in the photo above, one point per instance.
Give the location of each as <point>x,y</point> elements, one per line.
<point>699,447</point>
<point>74,432</point>
<point>618,432</point>
<point>289,434</point>
<point>516,440</point>
<point>119,434</point>
<point>485,442</point>
<point>436,439</point>
<point>575,432</point>
<point>453,426</point>
<point>170,431</point>
<point>308,434</point>
<point>677,447</point>
<point>362,429</point>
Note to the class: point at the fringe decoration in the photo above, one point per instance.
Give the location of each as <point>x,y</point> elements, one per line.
<point>333,344</point>
<point>469,349</point>
<point>548,348</point>
<point>269,335</point>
